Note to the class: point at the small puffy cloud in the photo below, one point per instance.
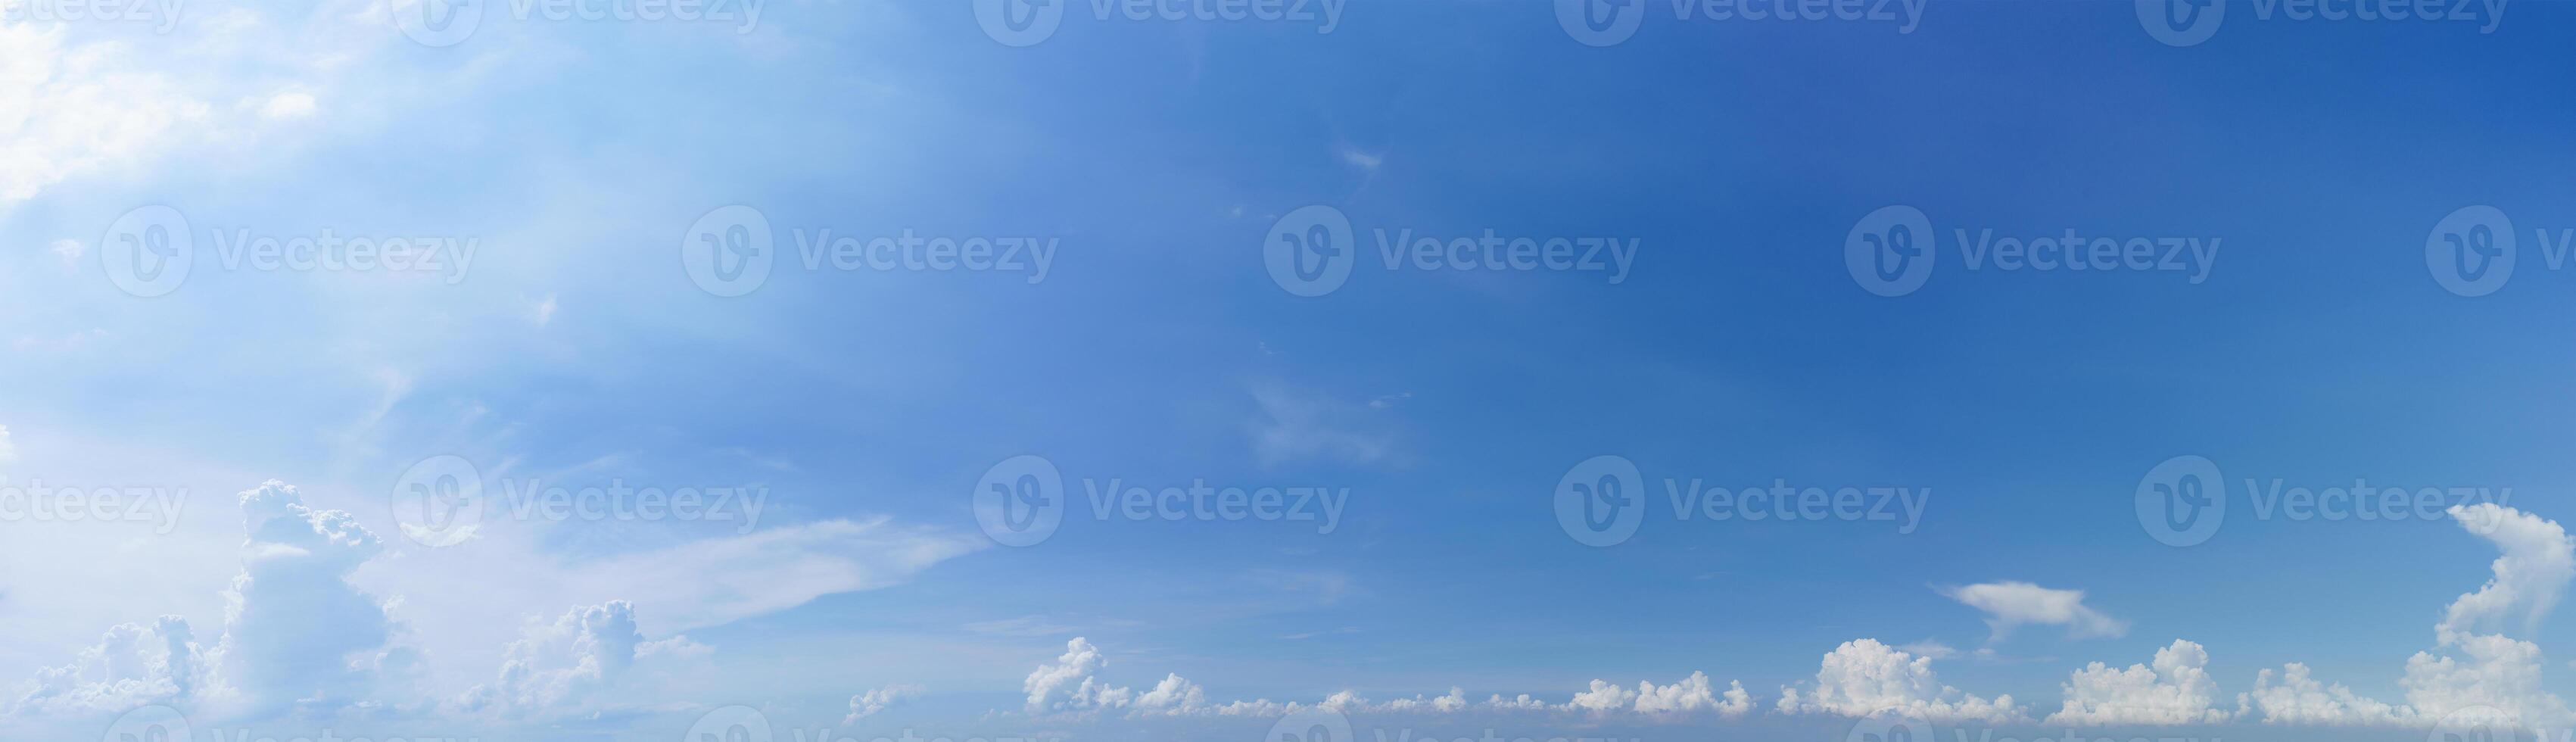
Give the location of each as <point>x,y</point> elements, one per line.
<point>296,633</point>
<point>2013,604</point>
<point>1864,677</point>
<point>2177,689</point>
<point>2299,699</point>
<point>1066,683</point>
<point>8,450</point>
<point>868,704</point>
<point>69,250</point>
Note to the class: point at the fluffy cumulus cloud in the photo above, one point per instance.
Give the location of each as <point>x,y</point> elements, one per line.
<point>2009,605</point>
<point>867,704</point>
<point>1071,685</point>
<point>295,631</point>
<point>1864,677</point>
<point>2176,689</point>
<point>568,665</point>
<point>2487,675</point>
<point>297,636</point>
<point>133,665</point>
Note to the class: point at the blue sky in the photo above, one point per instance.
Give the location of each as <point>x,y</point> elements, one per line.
<point>1445,410</point>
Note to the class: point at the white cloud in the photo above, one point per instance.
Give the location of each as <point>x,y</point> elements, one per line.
<point>2498,672</point>
<point>565,666</point>
<point>2012,604</point>
<point>287,106</point>
<point>296,633</point>
<point>1864,677</point>
<point>869,703</point>
<point>70,251</point>
<point>8,449</point>
<point>2177,689</point>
